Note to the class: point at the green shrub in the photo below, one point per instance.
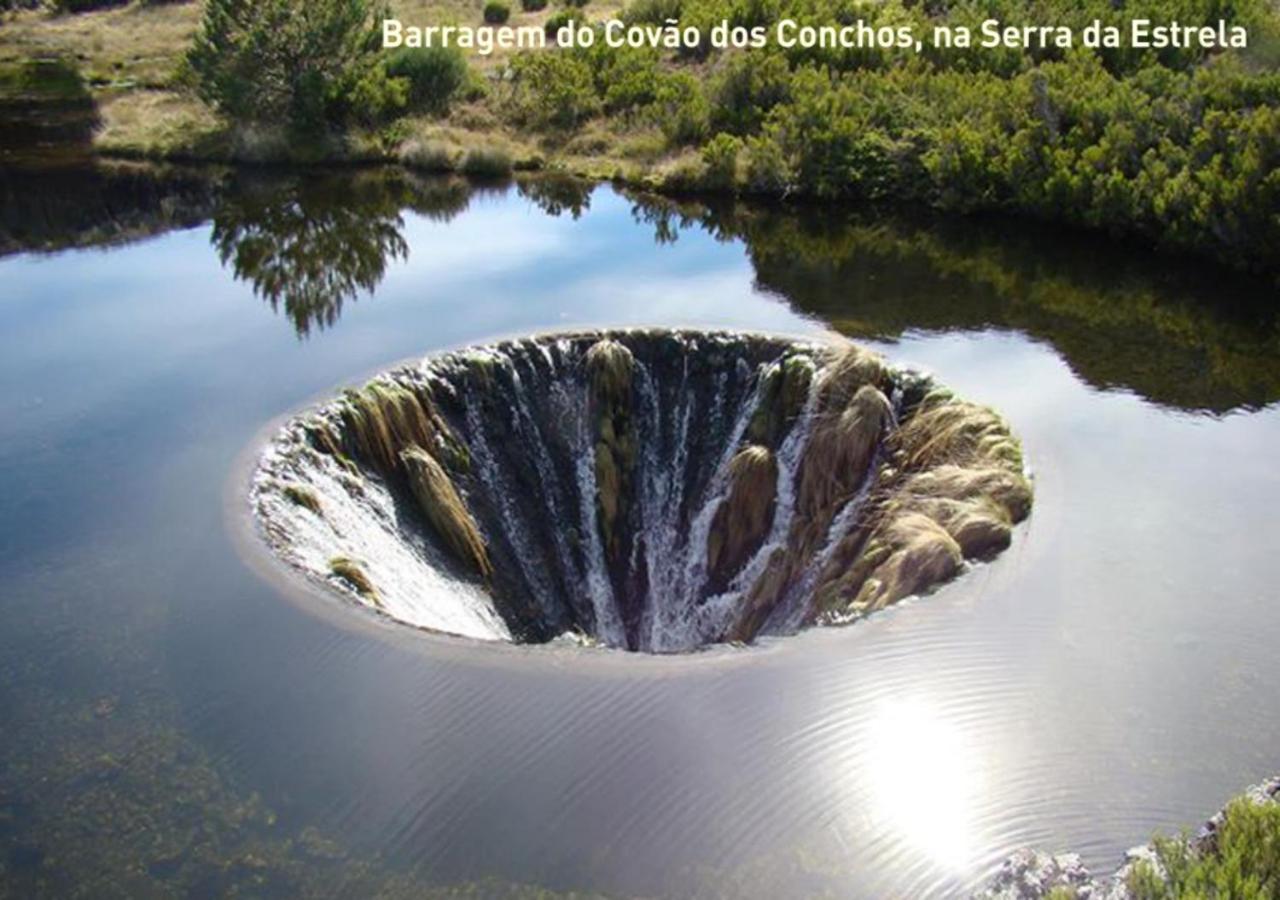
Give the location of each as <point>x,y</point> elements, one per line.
<point>767,168</point>
<point>434,75</point>
<point>533,5</point>
<point>626,79</point>
<point>681,109</point>
<point>720,156</point>
<point>554,89</point>
<point>747,88</point>
<point>496,13</point>
<point>576,4</point>
<point>1175,145</point>
<point>487,162</point>
<point>1244,864</point>
<point>652,12</point>
<point>307,63</point>
<point>559,20</point>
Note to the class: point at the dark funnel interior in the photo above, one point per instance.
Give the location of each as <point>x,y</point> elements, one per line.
<point>646,490</point>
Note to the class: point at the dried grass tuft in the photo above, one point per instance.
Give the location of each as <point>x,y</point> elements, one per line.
<point>445,509</point>
<point>742,521</point>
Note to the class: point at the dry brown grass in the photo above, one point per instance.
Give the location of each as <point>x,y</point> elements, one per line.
<point>127,48</point>
<point>443,146</point>
<point>157,123</point>
<point>945,430</point>
<point>841,447</point>
<point>610,367</point>
<point>353,573</point>
<point>742,521</point>
<point>844,372</point>
<point>908,554</point>
<point>385,418</point>
<point>445,509</point>
<point>953,491</point>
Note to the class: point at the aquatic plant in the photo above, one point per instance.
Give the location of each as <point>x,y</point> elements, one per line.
<point>951,489</point>
<point>353,574</point>
<point>610,366</point>
<point>384,418</point>
<point>303,496</point>
<point>445,509</point>
<point>742,521</point>
<point>784,386</point>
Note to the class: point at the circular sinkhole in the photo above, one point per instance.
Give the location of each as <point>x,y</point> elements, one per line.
<point>648,490</point>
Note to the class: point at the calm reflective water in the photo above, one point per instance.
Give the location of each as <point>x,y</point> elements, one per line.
<point>172,723</point>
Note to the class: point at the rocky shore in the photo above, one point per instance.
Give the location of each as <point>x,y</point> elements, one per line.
<point>1033,875</point>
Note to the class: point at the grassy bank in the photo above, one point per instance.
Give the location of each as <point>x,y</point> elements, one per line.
<point>1177,147</point>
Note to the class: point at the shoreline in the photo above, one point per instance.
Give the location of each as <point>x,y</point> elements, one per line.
<point>647,182</point>
<point>1031,874</point>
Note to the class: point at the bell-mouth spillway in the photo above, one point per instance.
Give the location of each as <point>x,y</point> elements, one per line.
<point>647,490</point>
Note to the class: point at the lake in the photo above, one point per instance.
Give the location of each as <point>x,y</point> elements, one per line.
<point>175,722</point>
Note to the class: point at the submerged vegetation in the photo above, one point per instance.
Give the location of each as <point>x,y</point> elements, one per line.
<point>1175,146</point>
<point>303,496</point>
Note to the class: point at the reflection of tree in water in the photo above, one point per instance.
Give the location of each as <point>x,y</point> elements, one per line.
<point>1189,337</point>
<point>46,208</point>
<point>310,244</point>
<point>557,194</point>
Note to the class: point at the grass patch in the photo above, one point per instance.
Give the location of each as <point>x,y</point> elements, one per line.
<point>353,574</point>
<point>487,162</point>
<point>303,496</point>
<point>445,509</point>
<point>160,125</point>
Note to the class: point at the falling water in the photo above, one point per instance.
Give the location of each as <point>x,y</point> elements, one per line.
<point>535,423</point>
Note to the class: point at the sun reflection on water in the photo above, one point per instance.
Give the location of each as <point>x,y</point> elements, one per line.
<point>926,780</point>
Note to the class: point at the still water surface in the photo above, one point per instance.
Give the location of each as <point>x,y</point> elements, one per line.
<point>171,722</point>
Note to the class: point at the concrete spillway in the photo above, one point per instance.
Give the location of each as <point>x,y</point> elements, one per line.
<point>647,490</point>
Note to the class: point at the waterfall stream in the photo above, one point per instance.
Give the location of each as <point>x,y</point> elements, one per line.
<point>645,490</point>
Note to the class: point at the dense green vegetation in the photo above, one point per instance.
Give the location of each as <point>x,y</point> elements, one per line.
<point>1242,864</point>
<point>1180,145</point>
<point>312,64</point>
<point>1176,146</point>
<point>433,75</point>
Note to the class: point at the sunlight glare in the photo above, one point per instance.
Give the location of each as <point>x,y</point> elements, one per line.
<point>924,779</point>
